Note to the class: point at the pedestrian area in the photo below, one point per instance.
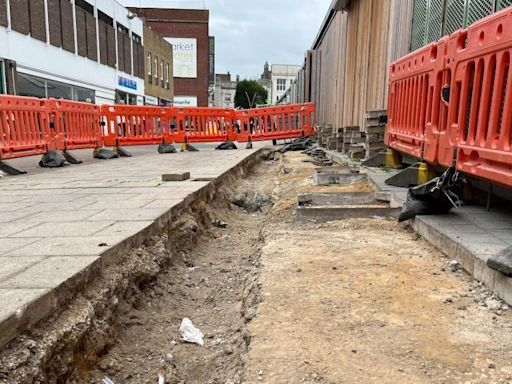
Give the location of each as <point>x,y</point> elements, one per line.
<point>59,228</point>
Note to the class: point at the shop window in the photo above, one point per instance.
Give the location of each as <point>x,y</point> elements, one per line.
<point>58,90</point>
<point>30,86</point>
<point>84,94</point>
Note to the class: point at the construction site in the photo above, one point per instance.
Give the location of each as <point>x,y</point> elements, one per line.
<point>359,234</point>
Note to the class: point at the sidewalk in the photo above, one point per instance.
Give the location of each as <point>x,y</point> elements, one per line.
<point>470,234</point>
<point>59,228</point>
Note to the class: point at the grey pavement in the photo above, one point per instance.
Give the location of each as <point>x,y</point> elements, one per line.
<point>57,224</point>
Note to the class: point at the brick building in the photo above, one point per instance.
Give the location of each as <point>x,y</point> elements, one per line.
<point>187,30</point>
<point>158,81</point>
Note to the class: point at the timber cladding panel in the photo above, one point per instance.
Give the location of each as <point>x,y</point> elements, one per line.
<point>3,13</point>
<point>102,31</point>
<point>127,54</point>
<point>90,27</point>
<point>120,51</point>
<point>81,31</point>
<point>55,24</point>
<point>20,16</point>
<point>111,46</point>
<point>66,21</point>
<point>349,67</point>
<point>37,19</point>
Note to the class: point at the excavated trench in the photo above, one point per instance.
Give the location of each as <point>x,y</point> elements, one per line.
<point>125,325</point>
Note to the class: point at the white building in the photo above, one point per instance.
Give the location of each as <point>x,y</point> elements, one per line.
<point>225,91</point>
<point>77,49</point>
<point>282,77</point>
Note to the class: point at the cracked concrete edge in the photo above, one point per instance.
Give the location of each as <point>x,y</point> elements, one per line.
<point>52,301</point>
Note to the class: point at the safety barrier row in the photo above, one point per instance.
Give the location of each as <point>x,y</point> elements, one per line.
<point>31,126</point>
<point>450,103</point>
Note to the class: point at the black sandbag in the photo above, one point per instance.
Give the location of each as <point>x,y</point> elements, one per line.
<point>166,148</point>
<point>52,159</point>
<point>436,196</point>
<point>105,154</point>
<point>226,145</point>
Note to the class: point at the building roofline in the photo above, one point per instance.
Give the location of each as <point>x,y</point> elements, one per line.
<point>336,6</point>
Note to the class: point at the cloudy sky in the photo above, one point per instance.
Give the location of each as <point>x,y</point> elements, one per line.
<point>250,32</point>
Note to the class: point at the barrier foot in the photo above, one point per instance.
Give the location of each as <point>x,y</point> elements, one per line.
<point>249,145</point>
<point>70,158</point>
<point>103,153</point>
<point>191,148</point>
<point>416,174</point>
<point>11,170</point>
<point>166,148</point>
<point>122,152</point>
<point>377,160</point>
<point>226,145</point>
<point>274,142</point>
<point>52,159</point>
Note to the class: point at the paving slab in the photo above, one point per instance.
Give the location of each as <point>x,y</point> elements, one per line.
<point>61,226</point>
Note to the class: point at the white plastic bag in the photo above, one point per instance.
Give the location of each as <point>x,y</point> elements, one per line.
<point>190,333</point>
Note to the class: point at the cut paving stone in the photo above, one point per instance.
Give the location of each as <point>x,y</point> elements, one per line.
<point>336,206</point>
<point>12,265</point>
<point>176,176</point>
<point>64,229</point>
<point>9,244</point>
<point>337,175</point>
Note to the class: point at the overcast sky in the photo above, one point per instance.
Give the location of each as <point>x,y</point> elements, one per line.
<point>250,32</point>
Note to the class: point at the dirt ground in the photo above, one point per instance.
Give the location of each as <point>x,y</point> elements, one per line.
<point>355,301</point>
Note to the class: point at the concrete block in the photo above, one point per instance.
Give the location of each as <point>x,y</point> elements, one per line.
<point>466,259</point>
<point>50,272</point>
<point>10,266</point>
<point>484,274</point>
<point>64,229</point>
<point>176,176</point>
<point>503,287</point>
<point>66,246</point>
<point>9,244</point>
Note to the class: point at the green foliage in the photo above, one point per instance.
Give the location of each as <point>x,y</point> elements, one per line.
<point>249,93</point>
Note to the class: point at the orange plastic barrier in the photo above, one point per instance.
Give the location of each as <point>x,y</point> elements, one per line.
<point>24,127</point>
<point>414,108</point>
<point>481,98</point>
<point>136,125</point>
<point>203,124</point>
<point>78,123</point>
<point>279,122</point>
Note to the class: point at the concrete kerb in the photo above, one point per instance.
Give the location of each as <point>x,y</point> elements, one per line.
<point>53,301</point>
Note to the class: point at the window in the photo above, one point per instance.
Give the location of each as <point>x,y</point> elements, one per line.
<point>155,72</point>
<point>281,84</point>
<point>167,76</point>
<point>149,65</point>
<point>162,73</point>
<point>34,86</point>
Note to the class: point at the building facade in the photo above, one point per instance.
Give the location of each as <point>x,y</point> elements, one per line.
<point>158,82</point>
<point>282,77</point>
<point>88,50</point>
<point>225,91</point>
<point>187,31</point>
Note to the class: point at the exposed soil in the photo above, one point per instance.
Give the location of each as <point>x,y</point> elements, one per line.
<point>353,301</point>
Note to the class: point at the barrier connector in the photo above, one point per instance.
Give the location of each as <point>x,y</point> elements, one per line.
<point>52,159</point>
<point>425,173</point>
<point>103,153</point>
<point>393,159</point>
<point>226,145</point>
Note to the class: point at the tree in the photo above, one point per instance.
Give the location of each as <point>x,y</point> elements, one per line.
<point>249,93</point>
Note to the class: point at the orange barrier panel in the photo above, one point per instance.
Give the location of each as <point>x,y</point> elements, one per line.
<point>24,127</point>
<point>136,125</point>
<point>414,105</point>
<point>279,122</point>
<point>481,98</point>
<point>78,123</point>
<point>203,124</point>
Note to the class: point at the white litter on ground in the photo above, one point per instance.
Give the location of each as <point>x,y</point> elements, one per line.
<point>190,333</point>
